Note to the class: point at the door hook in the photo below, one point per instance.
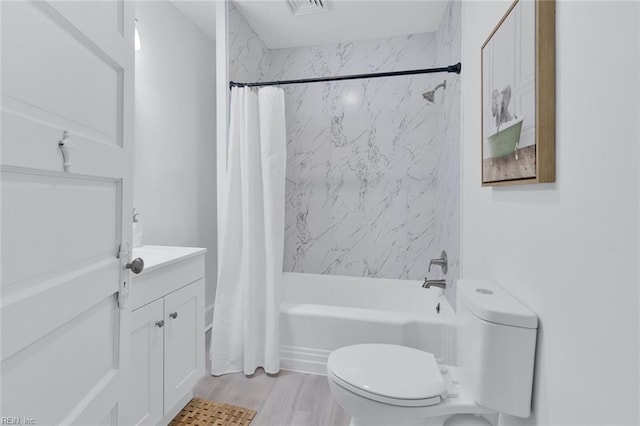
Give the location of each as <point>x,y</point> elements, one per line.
<point>64,148</point>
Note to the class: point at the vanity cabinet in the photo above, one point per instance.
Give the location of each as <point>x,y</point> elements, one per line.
<point>183,342</point>
<point>167,338</point>
<point>144,403</point>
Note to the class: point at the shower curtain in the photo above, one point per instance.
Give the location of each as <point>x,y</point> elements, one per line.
<point>245,332</point>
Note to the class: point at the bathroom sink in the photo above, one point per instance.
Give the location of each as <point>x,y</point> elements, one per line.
<point>155,256</point>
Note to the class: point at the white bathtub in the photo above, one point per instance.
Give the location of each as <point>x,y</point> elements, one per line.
<point>321,313</point>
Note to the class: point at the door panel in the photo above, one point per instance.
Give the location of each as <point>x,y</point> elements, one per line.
<point>183,341</point>
<point>71,235</point>
<point>110,13</point>
<point>143,398</point>
<point>84,347</point>
<point>67,69</point>
<point>26,130</point>
<point>48,64</point>
<point>32,314</point>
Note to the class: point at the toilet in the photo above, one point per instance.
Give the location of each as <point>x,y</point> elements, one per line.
<point>383,384</point>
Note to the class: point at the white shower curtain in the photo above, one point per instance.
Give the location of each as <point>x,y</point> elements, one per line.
<point>245,332</point>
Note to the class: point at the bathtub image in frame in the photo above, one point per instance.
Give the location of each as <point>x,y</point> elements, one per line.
<point>518,96</point>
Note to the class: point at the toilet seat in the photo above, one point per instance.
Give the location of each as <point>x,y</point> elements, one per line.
<point>391,374</point>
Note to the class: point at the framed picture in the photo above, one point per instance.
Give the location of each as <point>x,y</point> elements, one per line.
<point>518,96</point>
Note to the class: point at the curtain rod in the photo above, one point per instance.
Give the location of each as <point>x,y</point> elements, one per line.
<point>451,68</point>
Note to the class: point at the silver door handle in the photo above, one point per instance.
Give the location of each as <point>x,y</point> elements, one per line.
<point>136,265</point>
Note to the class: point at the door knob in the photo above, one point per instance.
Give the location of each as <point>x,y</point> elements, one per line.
<point>160,323</point>
<point>136,265</point>
<point>173,315</point>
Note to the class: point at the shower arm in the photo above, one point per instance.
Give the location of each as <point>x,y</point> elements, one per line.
<point>441,85</point>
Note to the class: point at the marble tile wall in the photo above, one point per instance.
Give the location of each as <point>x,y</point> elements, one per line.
<point>449,51</point>
<point>247,52</point>
<point>361,159</point>
<point>372,173</point>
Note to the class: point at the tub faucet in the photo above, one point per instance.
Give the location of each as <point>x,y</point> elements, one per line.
<point>442,262</point>
<point>434,283</point>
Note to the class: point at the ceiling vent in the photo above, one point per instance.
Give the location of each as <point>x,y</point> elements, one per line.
<point>307,7</point>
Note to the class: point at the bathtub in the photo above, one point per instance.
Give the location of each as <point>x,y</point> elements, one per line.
<point>320,313</point>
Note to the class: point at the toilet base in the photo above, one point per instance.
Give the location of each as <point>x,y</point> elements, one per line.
<point>457,411</point>
<point>472,420</point>
<point>454,420</point>
<point>435,421</point>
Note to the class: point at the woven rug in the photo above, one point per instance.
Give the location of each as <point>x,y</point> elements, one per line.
<point>201,412</point>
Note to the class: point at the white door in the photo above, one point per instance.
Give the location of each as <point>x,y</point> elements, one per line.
<point>143,399</point>
<point>67,75</point>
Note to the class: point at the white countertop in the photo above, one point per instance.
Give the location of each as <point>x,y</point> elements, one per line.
<point>158,256</point>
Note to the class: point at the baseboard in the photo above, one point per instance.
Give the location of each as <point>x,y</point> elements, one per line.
<point>304,360</point>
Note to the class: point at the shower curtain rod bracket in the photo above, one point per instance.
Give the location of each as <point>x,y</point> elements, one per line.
<point>457,68</point>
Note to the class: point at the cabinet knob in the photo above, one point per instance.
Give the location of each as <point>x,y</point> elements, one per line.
<point>160,323</point>
<point>173,315</point>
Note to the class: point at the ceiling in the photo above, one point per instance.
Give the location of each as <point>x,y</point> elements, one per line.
<point>345,20</point>
<point>201,13</point>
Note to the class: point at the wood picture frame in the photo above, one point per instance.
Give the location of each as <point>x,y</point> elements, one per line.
<point>518,97</point>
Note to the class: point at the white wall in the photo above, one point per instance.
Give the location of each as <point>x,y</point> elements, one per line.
<point>569,250</point>
<point>175,142</point>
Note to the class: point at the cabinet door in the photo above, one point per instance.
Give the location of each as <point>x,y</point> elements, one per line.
<point>143,394</point>
<point>184,341</point>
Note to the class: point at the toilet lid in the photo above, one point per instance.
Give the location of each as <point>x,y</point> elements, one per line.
<point>389,373</point>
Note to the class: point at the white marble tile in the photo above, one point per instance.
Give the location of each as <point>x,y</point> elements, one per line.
<point>247,52</point>
<point>361,159</point>
<point>372,169</point>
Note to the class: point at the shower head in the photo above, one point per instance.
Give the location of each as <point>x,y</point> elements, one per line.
<point>431,94</point>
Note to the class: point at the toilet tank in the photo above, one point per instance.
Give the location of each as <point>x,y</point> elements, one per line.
<point>496,346</point>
